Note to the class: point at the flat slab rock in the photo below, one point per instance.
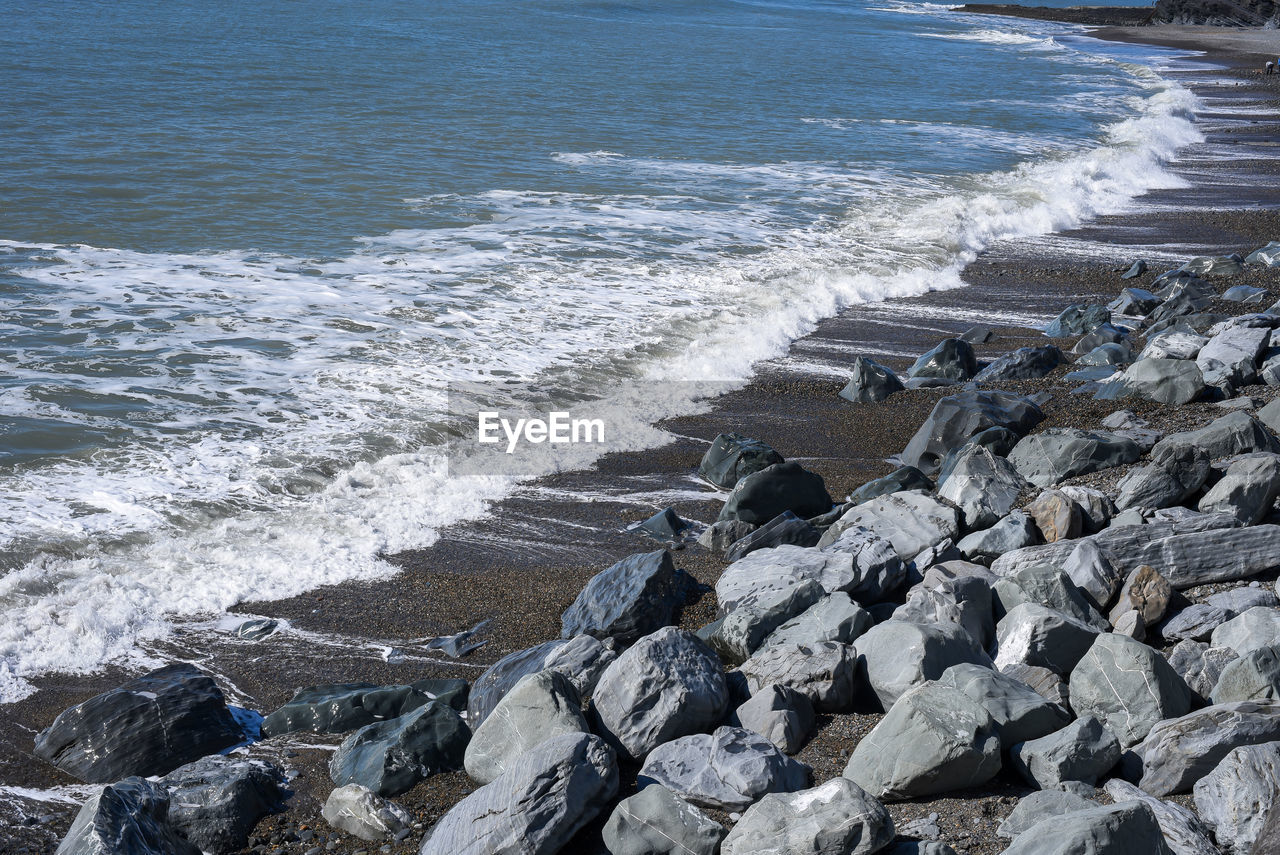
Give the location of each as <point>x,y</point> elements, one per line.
<point>728,769</point>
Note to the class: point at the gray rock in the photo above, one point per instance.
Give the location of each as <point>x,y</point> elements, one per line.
<point>582,659</point>
<point>1056,454</point>
<point>956,418</point>
<point>741,632</point>
<point>985,487</point>
<point>722,534</point>
<point>1025,363</point>
<point>1174,474</point>
<point>728,769</point>
<point>1165,381</point>
<point>1040,806</point>
<point>540,706</point>
<point>130,817</point>
<point>1095,577</point>
<point>1200,665</point>
<point>1047,684</point>
<point>835,617</point>
<point>1208,265</point>
<point>1084,750</point>
<point>1236,797</point>
<point>1232,434</point>
<point>1255,628</point>
<point>1247,491</point>
<point>1230,359</point>
<point>1240,600</point>
<point>1131,624</point>
<point>1128,687</point>
<point>391,756</point>
<point>150,725</point>
<point>1179,752</point>
<point>1107,355</point>
<point>669,684</point>
<point>1046,586</point>
<point>1270,415</point>
<point>1196,622</point>
<point>870,383</point>
<point>1031,634</point>
<point>1096,507</point>
<point>963,603</point>
<point>536,806</point>
<point>783,530</point>
<point>911,521</point>
<point>1174,344</point>
<point>1120,829</point>
<point>342,707</point>
<point>1103,334</point>
<point>978,335</point>
<point>900,480</point>
<point>858,563</point>
<point>1017,710</point>
<point>899,656</point>
<point>1255,676</point>
<point>1183,832</point>
<point>998,440</point>
<point>1146,592</point>
<point>763,495</point>
<point>256,629</point>
<point>919,847</point>
<point>1245,294</point>
<point>733,457</point>
<point>837,818</point>
<point>1136,302</point>
<point>1185,299</point>
<point>952,359</point>
<point>356,810</point>
<point>823,671</point>
<point>1013,532</point>
<point>216,801</point>
<point>1078,319</point>
<point>636,596</point>
<point>934,739</point>
<point>779,714</point>
<point>1267,256</point>
<point>655,821</point>
<point>666,525</point>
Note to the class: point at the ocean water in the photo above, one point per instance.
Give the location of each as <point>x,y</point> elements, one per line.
<point>245,246</point>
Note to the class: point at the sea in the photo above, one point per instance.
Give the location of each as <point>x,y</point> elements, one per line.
<point>247,247</point>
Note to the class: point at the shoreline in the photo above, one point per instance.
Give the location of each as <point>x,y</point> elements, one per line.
<point>537,548</point>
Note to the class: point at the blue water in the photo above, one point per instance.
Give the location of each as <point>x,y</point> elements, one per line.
<point>243,246</point>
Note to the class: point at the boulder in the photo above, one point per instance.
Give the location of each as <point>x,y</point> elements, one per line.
<point>934,739</point>
<point>1104,355</point>
<point>1208,265</point>
<point>1200,665</point>
<point>1240,600</point>
<point>998,440</point>
<point>722,534</point>
<point>1046,586</point>
<point>956,418</point>
<point>837,818</point>
<point>823,671</point>
<point>1120,829</point>
<point>391,756</point>
<point>1095,577</point>
<point>655,821</point>
<point>582,659</point>
<point>1267,256</point>
<point>1128,687</point>
<point>1130,623</point>
<point>727,770</point>
<point>1083,750</point>
<point>1237,796</point>
<point>1078,319</point>
<point>733,457</point>
<point>1144,591</point>
<point>870,382</point>
<point>1136,302</point>
<point>129,817</point>
<point>786,529</point>
<point>952,359</point>
<point>900,480</point>
<point>779,714</point>
<point>1232,434</point>
<point>1247,491</point>
<point>1040,806</point>
<point>1031,634</point>
<point>1025,363</point>
<point>983,486</point>
<point>978,335</point>
<point>1013,532</point>
<point>963,604</point>
<point>1056,516</point>
<point>1179,752</point>
<point>1269,415</point>
<point>216,801</point>
<point>540,706</point>
<point>859,563</point>
<point>1047,684</point>
<point>763,495</point>
<point>1102,334</point>
<point>1230,359</point>
<point>1258,627</point>
<point>1165,381</point>
<point>1174,343</point>
<point>666,525</point>
<point>741,632</point>
<point>1187,298</point>
<point>911,522</point>
<point>636,596</point>
<point>1018,711</point>
<point>1255,676</point>
<point>1245,294</point>
<point>1183,832</point>
<point>536,806</point>
<point>899,656</point>
<point>1196,622</point>
<point>835,617</point>
<point>1056,454</point>
<point>1173,476</point>
<point>256,629</point>
<point>150,725</point>
<point>358,811</point>
<point>341,707</point>
<point>669,684</point>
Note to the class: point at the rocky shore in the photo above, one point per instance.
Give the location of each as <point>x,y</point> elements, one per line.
<point>1050,624</point>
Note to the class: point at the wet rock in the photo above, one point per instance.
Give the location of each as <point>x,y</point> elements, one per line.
<point>1120,829</point>
<point>985,488</point>
<point>540,706</point>
<point>763,495</point>
<point>1083,750</point>
<point>1165,381</point>
<point>1031,634</point>
<point>1056,454</point>
<point>1200,665</point>
<point>1247,491</point>
<point>837,818</point>
<point>1258,627</point>
<point>1128,687</point>
<point>956,418</point>
<point>256,629</point>
<point>1183,832</point>
<point>1077,320</point>
<point>911,521</point>
<point>823,671</point>
<point>582,659</point>
<point>1173,476</point>
<point>722,534</point>
<point>1040,806</point>
<point>1237,796</point>
<point>835,617</point>
<point>665,525</point>
<point>733,457</point>
<point>727,770</point>
<point>1188,297</point>
<point>952,359</point>
<point>536,806</point>
<point>1013,532</point>
<point>871,382</point>
<point>1144,591</point>
<point>900,480</point>
<point>1267,256</point>
<point>1245,294</point>
<point>358,811</point>
<point>1181,751</point>
<point>1018,712</point>
<point>655,821</point>
<point>129,817</point>
<point>779,714</point>
<point>391,756</point>
<point>785,529</point>
<point>1139,267</point>
<point>1025,363</point>
<point>150,725</point>
<point>899,656</point>
<point>216,801</point>
<point>1255,676</point>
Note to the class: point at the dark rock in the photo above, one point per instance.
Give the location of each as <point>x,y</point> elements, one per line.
<point>1196,622</point>
<point>341,707</point>
<point>582,660</point>
<point>1247,491</point>
<point>130,817</point>
<point>786,528</point>
<point>1025,363</point>
<point>733,457</point>
<point>1165,381</point>
<point>216,801</point>
<point>952,360</point>
<point>1078,319</point>
<point>639,594</point>
<point>1056,454</point>
<point>1183,832</point>
<point>763,495</point>
<point>1103,334</point>
<point>727,770</point>
<point>1139,267</point>
<point>391,756</point>
<point>984,487</point>
<point>1106,355</point>
<point>1045,683</point>
<point>871,382</point>
<point>899,480</point>
<point>256,629</point>
<point>665,525</point>
<point>1232,434</point>
<point>1084,750</point>
<point>956,418</point>
<point>978,335</point>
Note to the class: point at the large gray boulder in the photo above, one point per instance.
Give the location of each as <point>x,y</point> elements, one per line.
<point>1017,710</point>
<point>835,617</point>
<point>1237,796</point>
<point>1165,381</point>
<point>1182,830</point>
<point>1247,491</point>
<point>934,739</point>
<point>837,818</point>
<point>911,521</point>
<point>1230,359</point>
<point>900,480</point>
<point>582,659</point>
<point>779,714</point>
<point>1127,686</point>
<point>963,603</point>
<point>655,821</point>
<point>733,457</point>
<point>741,632</point>
<point>1232,434</point>
<point>1255,676</point>
<point>952,359</point>
<point>985,487</point>
<point>1039,806</point>
<point>1179,752</point>
<point>1134,301</point>
<point>1025,363</point>
<point>899,656</point>
<point>636,596</point>
<point>859,563</point>
<point>150,725</point>
<point>1093,574</point>
<point>1013,532</point>
<point>956,418</point>
<point>1200,665</point>
<point>876,570</point>
<point>540,706</point>
<point>357,810</point>
<point>1256,628</point>
<point>727,770</point>
<point>1174,343</point>
<point>763,495</point>
<point>1031,634</point>
<point>1173,476</point>
<point>669,684</point>
<point>1056,454</point>
<point>1084,750</point>
<point>216,801</point>
<point>870,382</point>
<point>998,440</point>
<point>1120,829</point>
<point>536,806</point>
<point>824,671</point>
<point>391,756</point>
<point>129,817</point>
<point>1078,319</point>
<point>1046,586</point>
<point>1049,685</point>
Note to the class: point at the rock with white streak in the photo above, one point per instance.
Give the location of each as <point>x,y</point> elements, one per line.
<point>726,770</point>
<point>836,818</point>
<point>1128,687</point>
<point>1031,634</point>
<point>655,821</point>
<point>1238,795</point>
<point>1019,713</point>
<point>358,811</point>
<point>129,817</point>
<point>1183,832</point>
<point>1200,665</point>
<point>1179,752</point>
